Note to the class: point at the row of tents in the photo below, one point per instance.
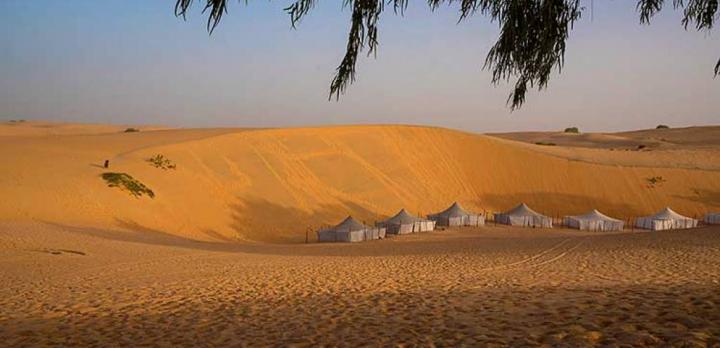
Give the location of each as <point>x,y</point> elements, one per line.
<point>351,230</point>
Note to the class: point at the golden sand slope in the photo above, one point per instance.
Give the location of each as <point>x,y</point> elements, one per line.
<point>491,286</point>
<point>271,184</point>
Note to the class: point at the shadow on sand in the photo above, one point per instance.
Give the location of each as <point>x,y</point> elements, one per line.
<point>280,230</point>
<point>274,223</point>
<point>465,240</point>
<point>220,315</point>
<point>710,199</point>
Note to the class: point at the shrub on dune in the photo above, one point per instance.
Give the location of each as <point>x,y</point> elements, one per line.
<point>127,183</point>
<point>162,162</point>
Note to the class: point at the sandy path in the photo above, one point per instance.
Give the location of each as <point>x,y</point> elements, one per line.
<point>501,286</point>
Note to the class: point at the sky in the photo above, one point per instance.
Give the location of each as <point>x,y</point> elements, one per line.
<point>134,62</point>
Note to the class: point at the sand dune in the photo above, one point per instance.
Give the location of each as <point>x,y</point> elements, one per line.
<point>584,140</point>
<point>670,138</point>
<point>273,184</point>
<point>708,136</point>
<point>690,148</point>
<point>84,264</point>
<point>22,128</point>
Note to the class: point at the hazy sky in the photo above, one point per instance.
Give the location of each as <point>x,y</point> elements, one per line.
<point>133,61</point>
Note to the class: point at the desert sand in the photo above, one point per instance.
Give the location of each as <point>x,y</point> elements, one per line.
<point>217,257</point>
<point>471,286</point>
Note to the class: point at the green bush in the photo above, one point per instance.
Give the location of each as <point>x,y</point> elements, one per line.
<point>662,126</point>
<point>572,130</point>
<point>160,161</point>
<point>126,182</point>
<point>131,130</point>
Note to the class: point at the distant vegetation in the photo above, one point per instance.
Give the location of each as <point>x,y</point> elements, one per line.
<point>544,143</point>
<point>572,130</point>
<point>662,126</point>
<point>160,161</point>
<point>641,146</point>
<point>131,130</point>
<point>127,183</point>
<point>655,181</point>
<point>16,121</point>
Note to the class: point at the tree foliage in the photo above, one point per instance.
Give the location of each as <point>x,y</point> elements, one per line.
<point>533,33</point>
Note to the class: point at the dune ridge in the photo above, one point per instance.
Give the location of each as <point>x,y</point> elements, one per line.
<point>273,184</point>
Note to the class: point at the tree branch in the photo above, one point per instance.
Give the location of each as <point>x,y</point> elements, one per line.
<point>532,41</point>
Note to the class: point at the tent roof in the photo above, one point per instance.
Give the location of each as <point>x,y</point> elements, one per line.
<point>402,217</point>
<point>522,210</point>
<point>594,215</point>
<point>349,224</point>
<point>454,210</point>
<point>667,214</point>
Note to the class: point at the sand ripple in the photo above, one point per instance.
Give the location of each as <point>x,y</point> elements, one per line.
<point>469,287</point>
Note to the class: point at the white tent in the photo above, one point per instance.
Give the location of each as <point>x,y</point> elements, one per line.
<point>522,215</point>
<point>593,221</point>
<point>350,230</point>
<point>712,218</point>
<point>403,223</point>
<point>457,216</point>
<point>665,219</point>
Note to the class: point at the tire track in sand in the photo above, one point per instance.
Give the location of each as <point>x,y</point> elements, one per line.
<point>526,261</point>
